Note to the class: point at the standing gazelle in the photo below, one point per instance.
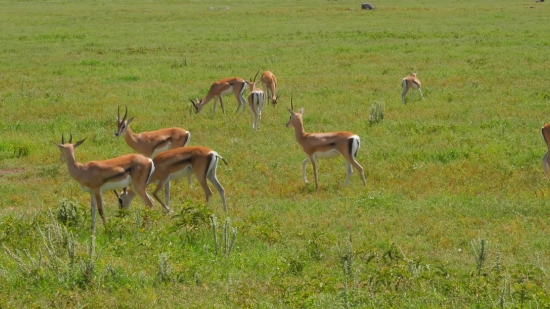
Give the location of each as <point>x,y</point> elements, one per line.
<point>256,103</point>
<point>269,83</point>
<point>410,82</point>
<point>97,176</point>
<point>177,163</point>
<point>151,143</point>
<point>546,135</point>
<point>218,89</point>
<point>325,146</point>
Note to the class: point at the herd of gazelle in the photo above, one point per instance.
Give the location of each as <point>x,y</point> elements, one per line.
<point>163,155</point>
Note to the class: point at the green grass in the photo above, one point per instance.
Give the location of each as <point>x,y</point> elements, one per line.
<point>442,174</point>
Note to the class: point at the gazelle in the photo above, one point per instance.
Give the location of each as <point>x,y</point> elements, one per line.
<point>326,146</point>
<point>269,83</point>
<point>177,163</point>
<point>256,103</point>
<point>409,82</point>
<point>151,143</point>
<point>97,176</point>
<point>235,85</point>
<point>546,135</point>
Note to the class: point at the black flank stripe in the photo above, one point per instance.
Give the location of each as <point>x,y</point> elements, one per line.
<point>162,142</point>
<point>126,171</point>
<point>332,144</point>
<point>184,161</point>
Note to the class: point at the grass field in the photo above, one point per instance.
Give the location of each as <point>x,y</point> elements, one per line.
<point>455,211</point>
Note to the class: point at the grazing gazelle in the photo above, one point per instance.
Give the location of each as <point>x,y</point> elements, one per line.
<point>410,82</point>
<point>177,163</point>
<point>546,135</point>
<point>235,85</point>
<point>326,146</point>
<point>269,83</point>
<point>97,176</point>
<point>256,103</point>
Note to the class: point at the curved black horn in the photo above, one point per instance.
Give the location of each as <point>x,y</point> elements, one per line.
<point>125,114</point>
<point>118,113</point>
<point>194,104</point>
<point>291,105</point>
<point>256,76</point>
<point>116,193</point>
<point>71,138</point>
<point>62,138</point>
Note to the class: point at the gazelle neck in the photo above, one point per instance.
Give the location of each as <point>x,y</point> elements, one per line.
<point>131,138</point>
<point>72,165</point>
<point>299,130</point>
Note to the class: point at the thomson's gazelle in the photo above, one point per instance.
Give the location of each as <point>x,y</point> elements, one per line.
<point>177,163</point>
<point>410,82</point>
<point>97,176</point>
<point>326,146</point>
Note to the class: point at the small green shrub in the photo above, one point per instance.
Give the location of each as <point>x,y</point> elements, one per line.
<point>69,213</point>
<point>377,111</point>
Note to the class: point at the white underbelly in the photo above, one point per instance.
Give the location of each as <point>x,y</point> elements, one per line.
<point>111,185</point>
<point>162,149</point>
<point>227,91</point>
<point>182,173</point>
<point>333,153</point>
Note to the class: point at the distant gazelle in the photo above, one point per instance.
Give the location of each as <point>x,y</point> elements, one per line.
<point>409,82</point>
<point>177,163</point>
<point>256,103</point>
<point>97,176</point>
<point>218,89</point>
<point>269,83</point>
<point>546,135</point>
<point>325,146</point>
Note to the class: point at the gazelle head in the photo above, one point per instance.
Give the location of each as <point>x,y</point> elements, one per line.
<point>295,118</point>
<point>274,100</point>
<point>122,124</point>
<point>125,198</point>
<point>197,104</point>
<point>67,149</point>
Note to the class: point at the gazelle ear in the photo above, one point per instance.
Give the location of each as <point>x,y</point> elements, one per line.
<point>78,143</point>
<point>301,111</point>
<point>129,120</point>
<point>58,145</point>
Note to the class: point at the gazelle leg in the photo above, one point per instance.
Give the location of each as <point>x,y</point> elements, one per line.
<point>166,187</point>
<point>221,103</point>
<point>214,180</point>
<point>359,169</point>
<point>99,204</point>
<point>314,163</point>
<point>252,116</point>
<point>304,164</point>
<point>214,106</point>
<point>404,94</point>
<point>348,170</point>
<point>420,90</point>
<point>93,210</point>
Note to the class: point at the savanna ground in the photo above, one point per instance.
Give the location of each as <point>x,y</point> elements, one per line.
<point>455,212</point>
